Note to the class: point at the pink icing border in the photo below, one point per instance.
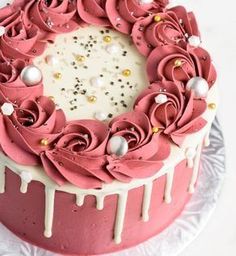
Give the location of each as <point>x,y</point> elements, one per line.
<point>30,25</point>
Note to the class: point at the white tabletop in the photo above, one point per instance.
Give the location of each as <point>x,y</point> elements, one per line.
<point>217,23</point>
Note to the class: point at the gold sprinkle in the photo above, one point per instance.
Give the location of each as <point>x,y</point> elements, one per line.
<point>212,106</point>
<point>44,142</point>
<point>157,18</point>
<point>178,63</point>
<point>126,72</point>
<point>58,75</point>
<point>52,98</point>
<point>80,58</point>
<point>107,39</point>
<point>92,99</point>
<point>155,129</point>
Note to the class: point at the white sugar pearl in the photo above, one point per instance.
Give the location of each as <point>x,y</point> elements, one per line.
<point>161,98</point>
<point>118,146</point>
<point>194,41</point>
<point>145,1</point>
<point>31,75</point>
<point>96,82</point>
<point>7,109</point>
<point>101,116</point>
<point>199,85</point>
<point>2,30</point>
<point>26,176</point>
<point>112,48</point>
<point>51,60</point>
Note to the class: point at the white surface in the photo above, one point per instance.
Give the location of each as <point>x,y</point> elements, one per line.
<point>217,22</point>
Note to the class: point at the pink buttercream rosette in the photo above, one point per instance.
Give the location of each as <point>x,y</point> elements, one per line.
<point>79,155</point>
<point>173,28</point>
<point>179,116</point>
<point>194,62</point>
<point>147,150</point>
<point>32,121</point>
<point>124,13</point>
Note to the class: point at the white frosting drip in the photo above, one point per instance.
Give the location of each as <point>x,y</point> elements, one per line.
<point>195,169</point>
<point>2,178</point>
<point>23,187</point>
<point>207,141</point>
<point>147,196</point>
<point>80,199</point>
<point>49,211</point>
<point>120,216</point>
<point>169,184</point>
<point>100,202</point>
<point>190,154</point>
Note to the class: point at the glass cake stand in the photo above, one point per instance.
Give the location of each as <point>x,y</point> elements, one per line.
<point>181,232</point>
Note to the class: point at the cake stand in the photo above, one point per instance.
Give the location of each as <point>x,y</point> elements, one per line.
<point>181,232</point>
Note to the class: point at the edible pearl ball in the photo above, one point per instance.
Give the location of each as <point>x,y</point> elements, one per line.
<point>161,99</point>
<point>31,75</point>
<point>194,41</point>
<point>101,116</point>
<point>96,82</point>
<point>112,48</point>
<point>118,146</point>
<point>51,60</point>
<point>199,85</point>
<point>7,109</point>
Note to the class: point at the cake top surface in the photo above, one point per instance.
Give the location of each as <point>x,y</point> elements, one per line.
<point>91,113</point>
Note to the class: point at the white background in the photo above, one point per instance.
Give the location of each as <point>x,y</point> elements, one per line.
<point>217,22</point>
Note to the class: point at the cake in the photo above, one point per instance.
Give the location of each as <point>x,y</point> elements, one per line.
<point>105,106</point>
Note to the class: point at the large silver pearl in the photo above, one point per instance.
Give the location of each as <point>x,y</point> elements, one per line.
<point>31,75</point>
<point>118,146</point>
<point>200,87</point>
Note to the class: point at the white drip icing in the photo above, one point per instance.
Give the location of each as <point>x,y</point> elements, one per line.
<point>2,178</point>
<point>80,199</point>
<point>195,169</point>
<point>49,211</point>
<point>207,141</point>
<point>168,187</point>
<point>23,187</point>
<point>120,217</point>
<point>100,202</point>
<point>147,196</point>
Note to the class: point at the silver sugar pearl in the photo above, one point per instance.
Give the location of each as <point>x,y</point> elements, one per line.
<point>200,87</point>
<point>118,146</point>
<point>31,75</point>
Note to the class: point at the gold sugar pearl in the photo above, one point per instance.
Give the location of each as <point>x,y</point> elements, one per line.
<point>212,106</point>
<point>126,72</point>
<point>107,39</point>
<point>52,98</point>
<point>80,58</point>
<point>58,75</point>
<point>92,99</point>
<point>178,63</point>
<point>157,18</point>
<point>155,129</point>
<point>44,142</point>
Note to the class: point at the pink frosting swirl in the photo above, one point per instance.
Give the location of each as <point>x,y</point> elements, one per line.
<point>78,156</point>
<point>93,12</point>
<point>53,16</point>
<point>194,62</point>
<point>21,40</point>
<point>173,28</point>
<point>146,149</point>
<point>22,132</point>
<point>179,116</point>
<point>12,87</point>
<point>124,13</point>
